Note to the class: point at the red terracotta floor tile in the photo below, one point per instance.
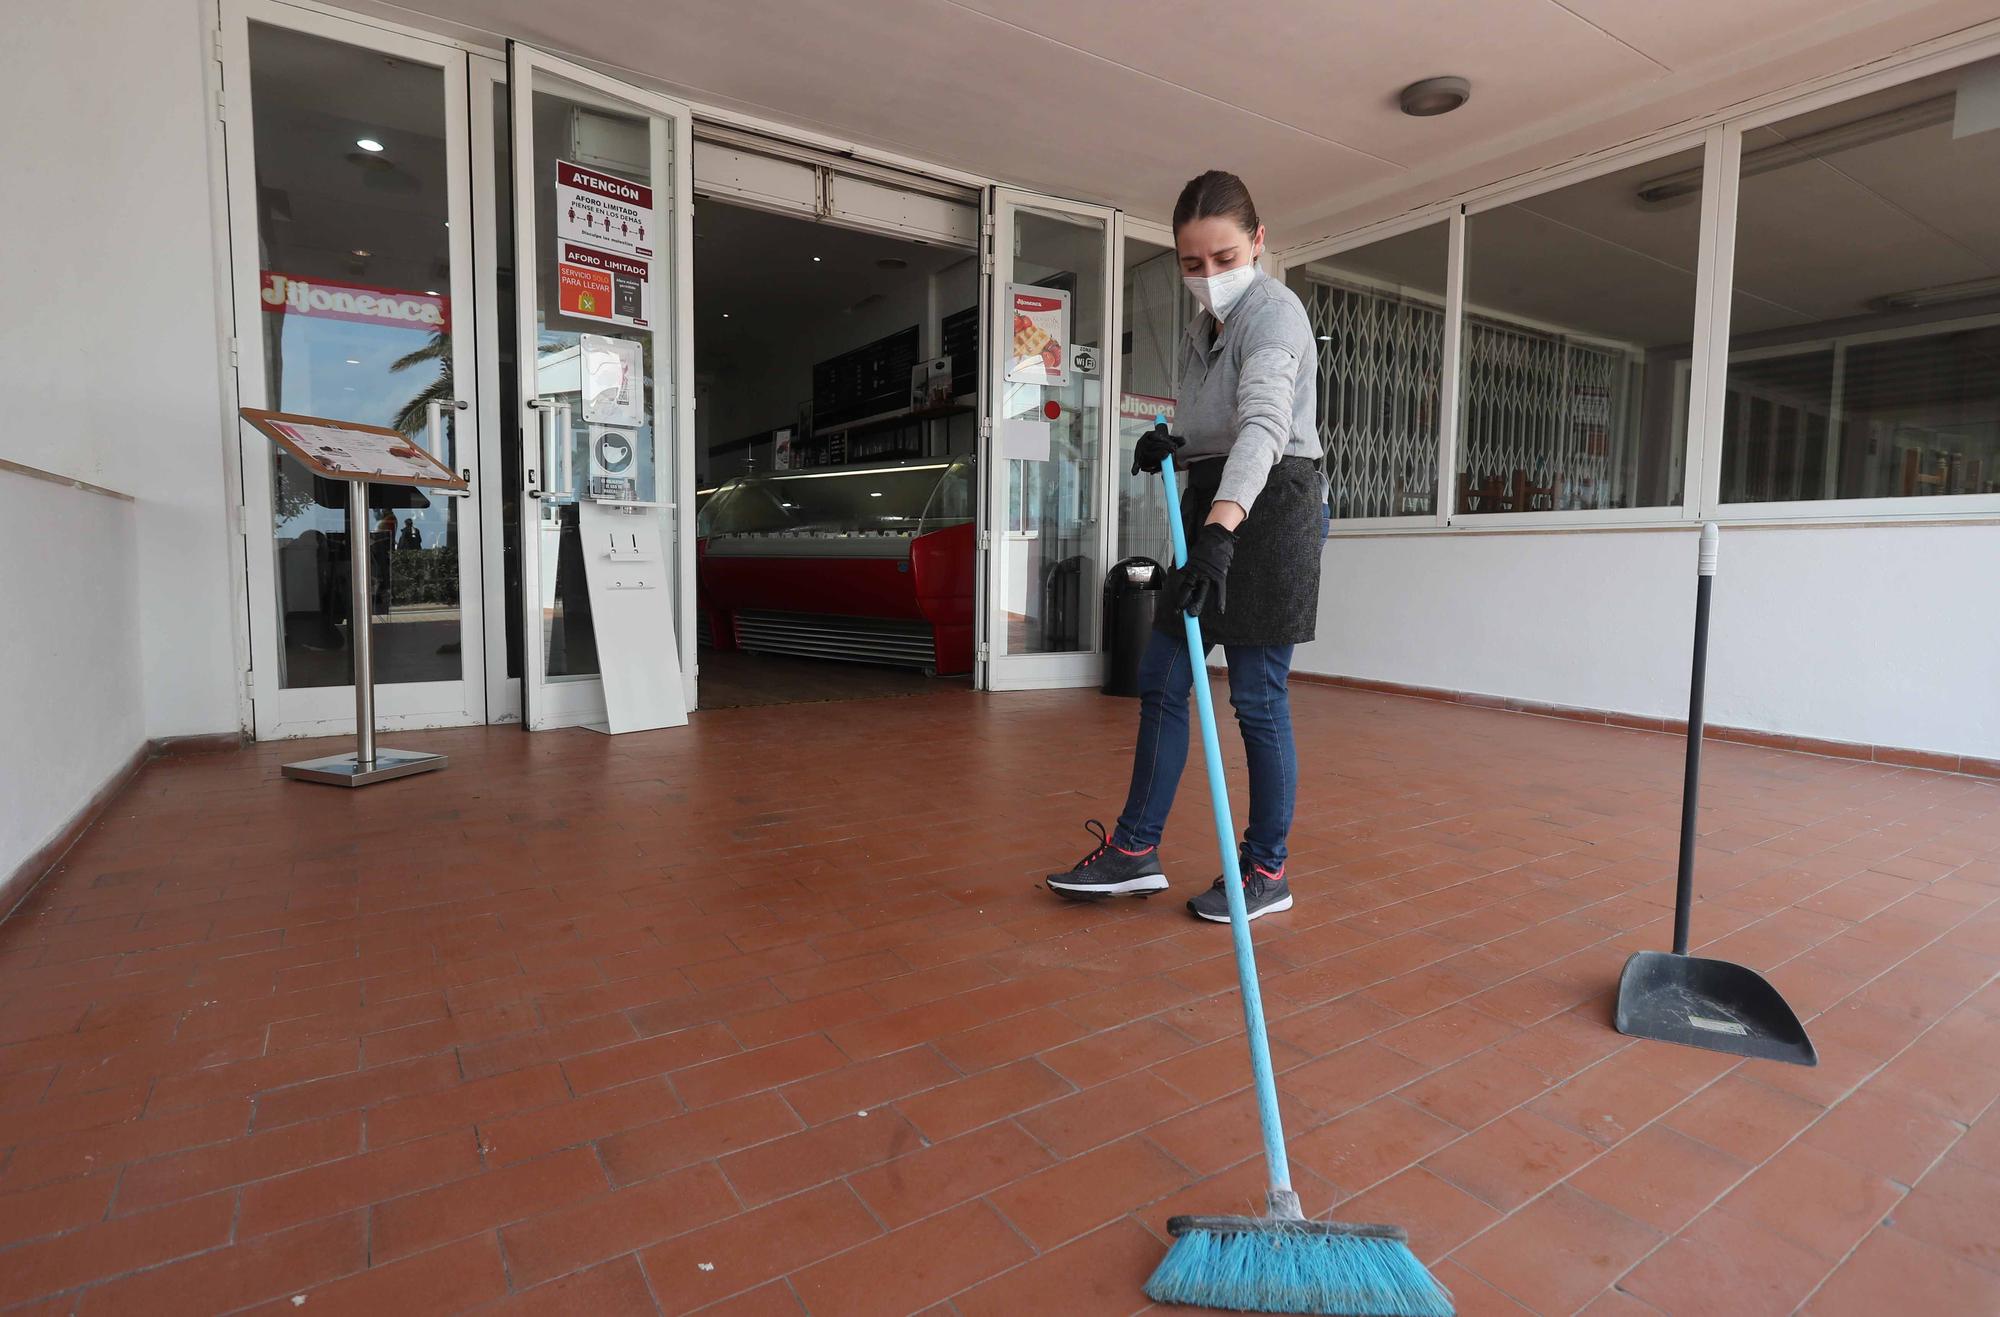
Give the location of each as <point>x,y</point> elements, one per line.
<point>1481,1088</point>
<point>1659,1177</point>
<point>1557,1253</point>
<point>906,1270</point>
<point>1371,1144</point>
<point>616,1289</point>
<point>1818,1201</point>
<point>1473,1296</point>
<point>1954,1208</point>
<point>458,1276</point>
<point>1742,1117</point>
<point>703,1266</point>
<point>1883,1135</point>
<point>966,1104</point>
<point>244,1024</point>
<point>1511,1160</point>
<point>1724,1263</point>
<point>1894,1273</point>
<point>1054,1206</point>
<point>1102,1274</point>
<point>1438,1215</point>
<point>943,1175</point>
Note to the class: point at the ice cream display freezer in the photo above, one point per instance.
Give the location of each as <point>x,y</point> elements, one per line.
<point>868,564</point>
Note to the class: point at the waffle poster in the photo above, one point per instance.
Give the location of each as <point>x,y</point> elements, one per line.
<point>1040,352</point>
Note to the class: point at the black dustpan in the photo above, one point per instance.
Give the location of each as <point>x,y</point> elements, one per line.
<point>1677,998</point>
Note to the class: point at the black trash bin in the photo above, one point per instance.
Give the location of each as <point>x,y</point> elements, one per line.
<point>1131,595</point>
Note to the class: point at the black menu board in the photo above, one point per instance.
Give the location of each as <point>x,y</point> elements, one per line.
<point>961,344</point>
<point>869,381</point>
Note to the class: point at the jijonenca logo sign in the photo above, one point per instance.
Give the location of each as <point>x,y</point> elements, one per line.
<point>285,294</point>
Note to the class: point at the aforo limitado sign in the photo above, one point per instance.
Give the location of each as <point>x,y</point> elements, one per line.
<point>605,233</point>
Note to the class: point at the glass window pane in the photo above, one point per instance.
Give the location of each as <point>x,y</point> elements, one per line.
<point>1378,312</point>
<point>1578,320</point>
<point>1865,326</point>
<point>1052,569</point>
<point>1158,309</point>
<point>355,256</point>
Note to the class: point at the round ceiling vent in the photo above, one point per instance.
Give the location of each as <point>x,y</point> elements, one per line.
<point>1434,96</point>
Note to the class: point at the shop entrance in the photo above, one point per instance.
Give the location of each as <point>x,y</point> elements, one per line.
<point>856,484</point>
<point>836,436</point>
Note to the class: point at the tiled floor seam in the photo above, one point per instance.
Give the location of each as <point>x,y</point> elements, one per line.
<point>1907,1190</point>
<point>1751,1170</point>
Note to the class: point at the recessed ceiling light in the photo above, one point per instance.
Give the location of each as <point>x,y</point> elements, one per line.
<point>815,260</point>
<point>874,493</point>
<point>368,144</point>
<point>362,251</point>
<point>725,315</point>
<point>431,292</point>
<point>1434,96</point>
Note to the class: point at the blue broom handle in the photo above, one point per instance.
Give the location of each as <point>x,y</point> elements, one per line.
<point>1283,1201</point>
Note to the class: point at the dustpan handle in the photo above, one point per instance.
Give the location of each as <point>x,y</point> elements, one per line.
<point>1711,539</point>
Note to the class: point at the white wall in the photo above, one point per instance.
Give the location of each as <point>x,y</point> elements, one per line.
<point>1880,635</point>
<point>70,702</point>
<point>110,345</point>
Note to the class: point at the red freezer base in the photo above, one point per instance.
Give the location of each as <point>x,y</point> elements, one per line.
<point>914,610</point>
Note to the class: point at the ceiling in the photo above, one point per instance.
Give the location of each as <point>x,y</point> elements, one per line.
<point>1820,238</point>
<point>1120,101</point>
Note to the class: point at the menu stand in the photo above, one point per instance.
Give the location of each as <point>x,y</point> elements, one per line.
<point>360,455</point>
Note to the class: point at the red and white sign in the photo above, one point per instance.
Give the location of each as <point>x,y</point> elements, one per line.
<point>333,299</point>
<point>601,285</point>
<point>1039,351</point>
<point>1144,407</point>
<point>604,211</point>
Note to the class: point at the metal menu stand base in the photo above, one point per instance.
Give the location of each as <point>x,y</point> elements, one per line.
<point>369,763</point>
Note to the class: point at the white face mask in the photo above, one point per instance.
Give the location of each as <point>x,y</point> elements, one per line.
<point>1218,293</point>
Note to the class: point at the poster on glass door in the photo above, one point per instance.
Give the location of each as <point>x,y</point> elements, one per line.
<point>1040,353</point>
<point>604,211</point>
<point>599,285</point>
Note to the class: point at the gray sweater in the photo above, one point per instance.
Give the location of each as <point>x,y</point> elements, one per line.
<point>1248,394</point>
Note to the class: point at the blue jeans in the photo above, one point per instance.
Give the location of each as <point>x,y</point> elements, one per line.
<point>1257,676</point>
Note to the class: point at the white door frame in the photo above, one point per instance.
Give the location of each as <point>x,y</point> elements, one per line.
<point>999,670</point>
<point>580,701</point>
<point>488,75</point>
<point>329,710</point>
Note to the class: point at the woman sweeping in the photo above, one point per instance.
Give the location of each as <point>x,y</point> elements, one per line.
<point>1249,441</point>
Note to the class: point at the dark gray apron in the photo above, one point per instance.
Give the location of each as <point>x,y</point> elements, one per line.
<point>1274,578</point>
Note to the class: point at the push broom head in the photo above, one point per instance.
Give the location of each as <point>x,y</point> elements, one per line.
<point>1270,1264</point>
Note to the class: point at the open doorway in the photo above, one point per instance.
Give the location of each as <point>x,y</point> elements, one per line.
<point>836,427</point>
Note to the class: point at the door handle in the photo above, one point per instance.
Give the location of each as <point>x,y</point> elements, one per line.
<point>435,430</point>
<point>545,420</point>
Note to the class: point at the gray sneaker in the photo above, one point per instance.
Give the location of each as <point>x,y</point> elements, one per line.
<point>1264,893</point>
<point>1110,870</point>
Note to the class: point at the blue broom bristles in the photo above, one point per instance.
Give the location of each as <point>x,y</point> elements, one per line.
<point>1275,1270</point>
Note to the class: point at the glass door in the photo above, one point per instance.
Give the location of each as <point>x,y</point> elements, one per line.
<point>350,218</point>
<point>602,225</point>
<point>1154,311</point>
<point>1053,374</point>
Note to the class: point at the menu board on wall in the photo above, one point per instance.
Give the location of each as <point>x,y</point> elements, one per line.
<point>872,380</point>
<point>961,344</point>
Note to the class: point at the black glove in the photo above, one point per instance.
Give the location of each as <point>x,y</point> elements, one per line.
<point>1205,578</point>
<point>1153,449</point>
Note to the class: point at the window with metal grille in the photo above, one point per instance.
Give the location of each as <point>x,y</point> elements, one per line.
<point>1378,314</point>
